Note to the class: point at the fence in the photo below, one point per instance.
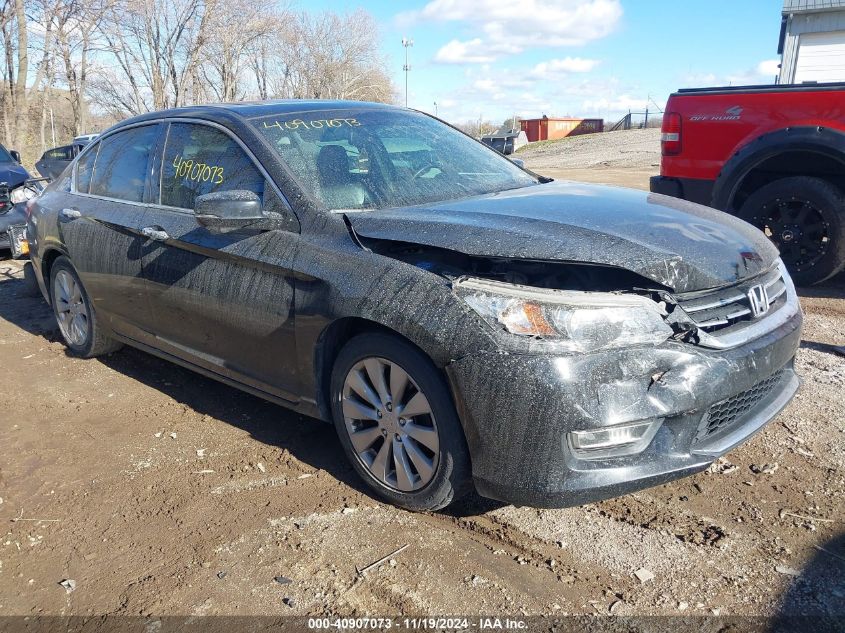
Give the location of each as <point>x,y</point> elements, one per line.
<point>638,121</point>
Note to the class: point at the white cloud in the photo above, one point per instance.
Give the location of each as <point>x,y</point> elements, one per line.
<point>503,27</point>
<point>615,104</point>
<point>470,52</point>
<point>498,93</point>
<point>563,66</point>
<point>763,73</point>
<point>769,68</point>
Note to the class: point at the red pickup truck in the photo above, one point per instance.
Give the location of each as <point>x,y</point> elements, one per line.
<point>772,155</point>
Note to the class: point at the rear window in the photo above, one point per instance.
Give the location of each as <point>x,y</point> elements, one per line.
<point>84,169</point>
<point>59,153</point>
<point>120,170</point>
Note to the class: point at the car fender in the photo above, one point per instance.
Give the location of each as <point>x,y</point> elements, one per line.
<point>822,140</point>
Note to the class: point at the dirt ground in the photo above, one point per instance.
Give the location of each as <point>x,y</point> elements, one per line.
<point>627,149</point>
<point>161,492</point>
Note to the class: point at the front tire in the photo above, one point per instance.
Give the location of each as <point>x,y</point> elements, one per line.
<point>805,218</point>
<point>398,426</point>
<point>75,316</point>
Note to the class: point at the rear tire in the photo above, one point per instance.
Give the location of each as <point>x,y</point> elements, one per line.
<point>75,315</point>
<point>805,218</point>
<point>419,461</point>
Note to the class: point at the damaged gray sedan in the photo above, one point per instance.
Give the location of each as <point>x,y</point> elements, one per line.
<point>461,322</point>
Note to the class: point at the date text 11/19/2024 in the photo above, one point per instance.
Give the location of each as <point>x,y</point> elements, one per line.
<point>418,624</point>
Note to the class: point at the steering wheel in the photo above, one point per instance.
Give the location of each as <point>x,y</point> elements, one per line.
<point>425,169</point>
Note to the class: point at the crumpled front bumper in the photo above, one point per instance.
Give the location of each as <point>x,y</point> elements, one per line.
<point>14,217</point>
<point>517,410</point>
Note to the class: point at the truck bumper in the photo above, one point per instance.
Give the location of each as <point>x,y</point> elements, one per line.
<point>692,189</point>
<point>666,186</point>
<point>518,412</point>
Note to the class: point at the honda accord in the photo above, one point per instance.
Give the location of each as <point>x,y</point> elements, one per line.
<point>461,321</point>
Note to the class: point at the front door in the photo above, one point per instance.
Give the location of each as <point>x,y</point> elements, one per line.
<point>221,300</point>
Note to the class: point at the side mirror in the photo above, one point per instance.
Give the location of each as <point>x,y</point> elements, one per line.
<point>228,209</point>
<point>518,162</point>
<point>16,155</point>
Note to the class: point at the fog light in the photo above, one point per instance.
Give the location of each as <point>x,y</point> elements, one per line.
<point>613,441</point>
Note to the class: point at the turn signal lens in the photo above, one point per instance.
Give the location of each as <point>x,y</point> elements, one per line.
<point>671,137</point>
<point>526,318</point>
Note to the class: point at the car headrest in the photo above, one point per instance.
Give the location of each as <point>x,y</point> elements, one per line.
<point>333,165</point>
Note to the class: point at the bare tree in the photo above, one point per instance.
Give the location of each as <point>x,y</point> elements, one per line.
<point>155,44</point>
<point>327,56</point>
<point>110,58</point>
<point>15,34</point>
<point>77,26</point>
<point>25,28</point>
<point>225,56</point>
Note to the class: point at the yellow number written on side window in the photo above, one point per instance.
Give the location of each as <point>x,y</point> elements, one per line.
<point>197,171</point>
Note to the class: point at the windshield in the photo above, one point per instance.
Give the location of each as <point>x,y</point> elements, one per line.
<point>5,156</point>
<point>378,159</point>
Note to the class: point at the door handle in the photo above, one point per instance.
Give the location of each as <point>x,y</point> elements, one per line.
<point>155,233</point>
<point>71,214</point>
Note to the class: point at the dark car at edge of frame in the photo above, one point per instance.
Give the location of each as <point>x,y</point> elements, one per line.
<point>16,188</point>
<point>461,321</point>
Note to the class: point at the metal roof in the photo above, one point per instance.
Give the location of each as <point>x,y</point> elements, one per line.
<point>221,112</point>
<point>802,6</point>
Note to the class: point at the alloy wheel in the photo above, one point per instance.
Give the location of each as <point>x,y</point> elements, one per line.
<point>71,311</point>
<point>390,424</point>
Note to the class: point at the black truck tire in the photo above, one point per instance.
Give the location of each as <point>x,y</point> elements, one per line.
<point>805,218</point>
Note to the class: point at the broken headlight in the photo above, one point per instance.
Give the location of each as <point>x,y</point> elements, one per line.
<point>22,194</point>
<point>574,320</point>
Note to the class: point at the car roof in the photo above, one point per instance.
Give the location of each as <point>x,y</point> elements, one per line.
<point>222,112</point>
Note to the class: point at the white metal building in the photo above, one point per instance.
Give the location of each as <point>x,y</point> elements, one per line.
<point>812,41</point>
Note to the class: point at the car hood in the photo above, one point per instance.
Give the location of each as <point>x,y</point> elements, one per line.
<point>683,246</point>
<point>12,174</point>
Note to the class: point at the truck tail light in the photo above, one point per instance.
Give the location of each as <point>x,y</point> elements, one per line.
<point>670,139</point>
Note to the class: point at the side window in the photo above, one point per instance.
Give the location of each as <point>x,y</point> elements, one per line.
<point>59,153</point>
<point>84,169</point>
<point>121,167</point>
<point>199,159</point>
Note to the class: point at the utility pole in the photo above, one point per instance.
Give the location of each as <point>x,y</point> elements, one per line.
<point>435,108</point>
<point>407,43</point>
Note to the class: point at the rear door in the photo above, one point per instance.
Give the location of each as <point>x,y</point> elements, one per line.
<point>100,222</point>
<point>53,162</point>
<point>221,300</point>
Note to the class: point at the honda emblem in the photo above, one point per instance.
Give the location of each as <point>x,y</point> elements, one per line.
<point>758,297</point>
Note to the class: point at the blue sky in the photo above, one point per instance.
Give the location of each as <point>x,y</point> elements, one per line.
<point>493,58</point>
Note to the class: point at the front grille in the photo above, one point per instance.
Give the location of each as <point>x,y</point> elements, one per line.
<point>728,308</point>
<point>725,413</point>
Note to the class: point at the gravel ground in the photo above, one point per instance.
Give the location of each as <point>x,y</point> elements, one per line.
<point>160,492</point>
<point>637,149</point>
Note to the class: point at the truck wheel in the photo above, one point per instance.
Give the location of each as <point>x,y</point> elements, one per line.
<point>395,418</point>
<point>805,218</point>
<point>83,334</point>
